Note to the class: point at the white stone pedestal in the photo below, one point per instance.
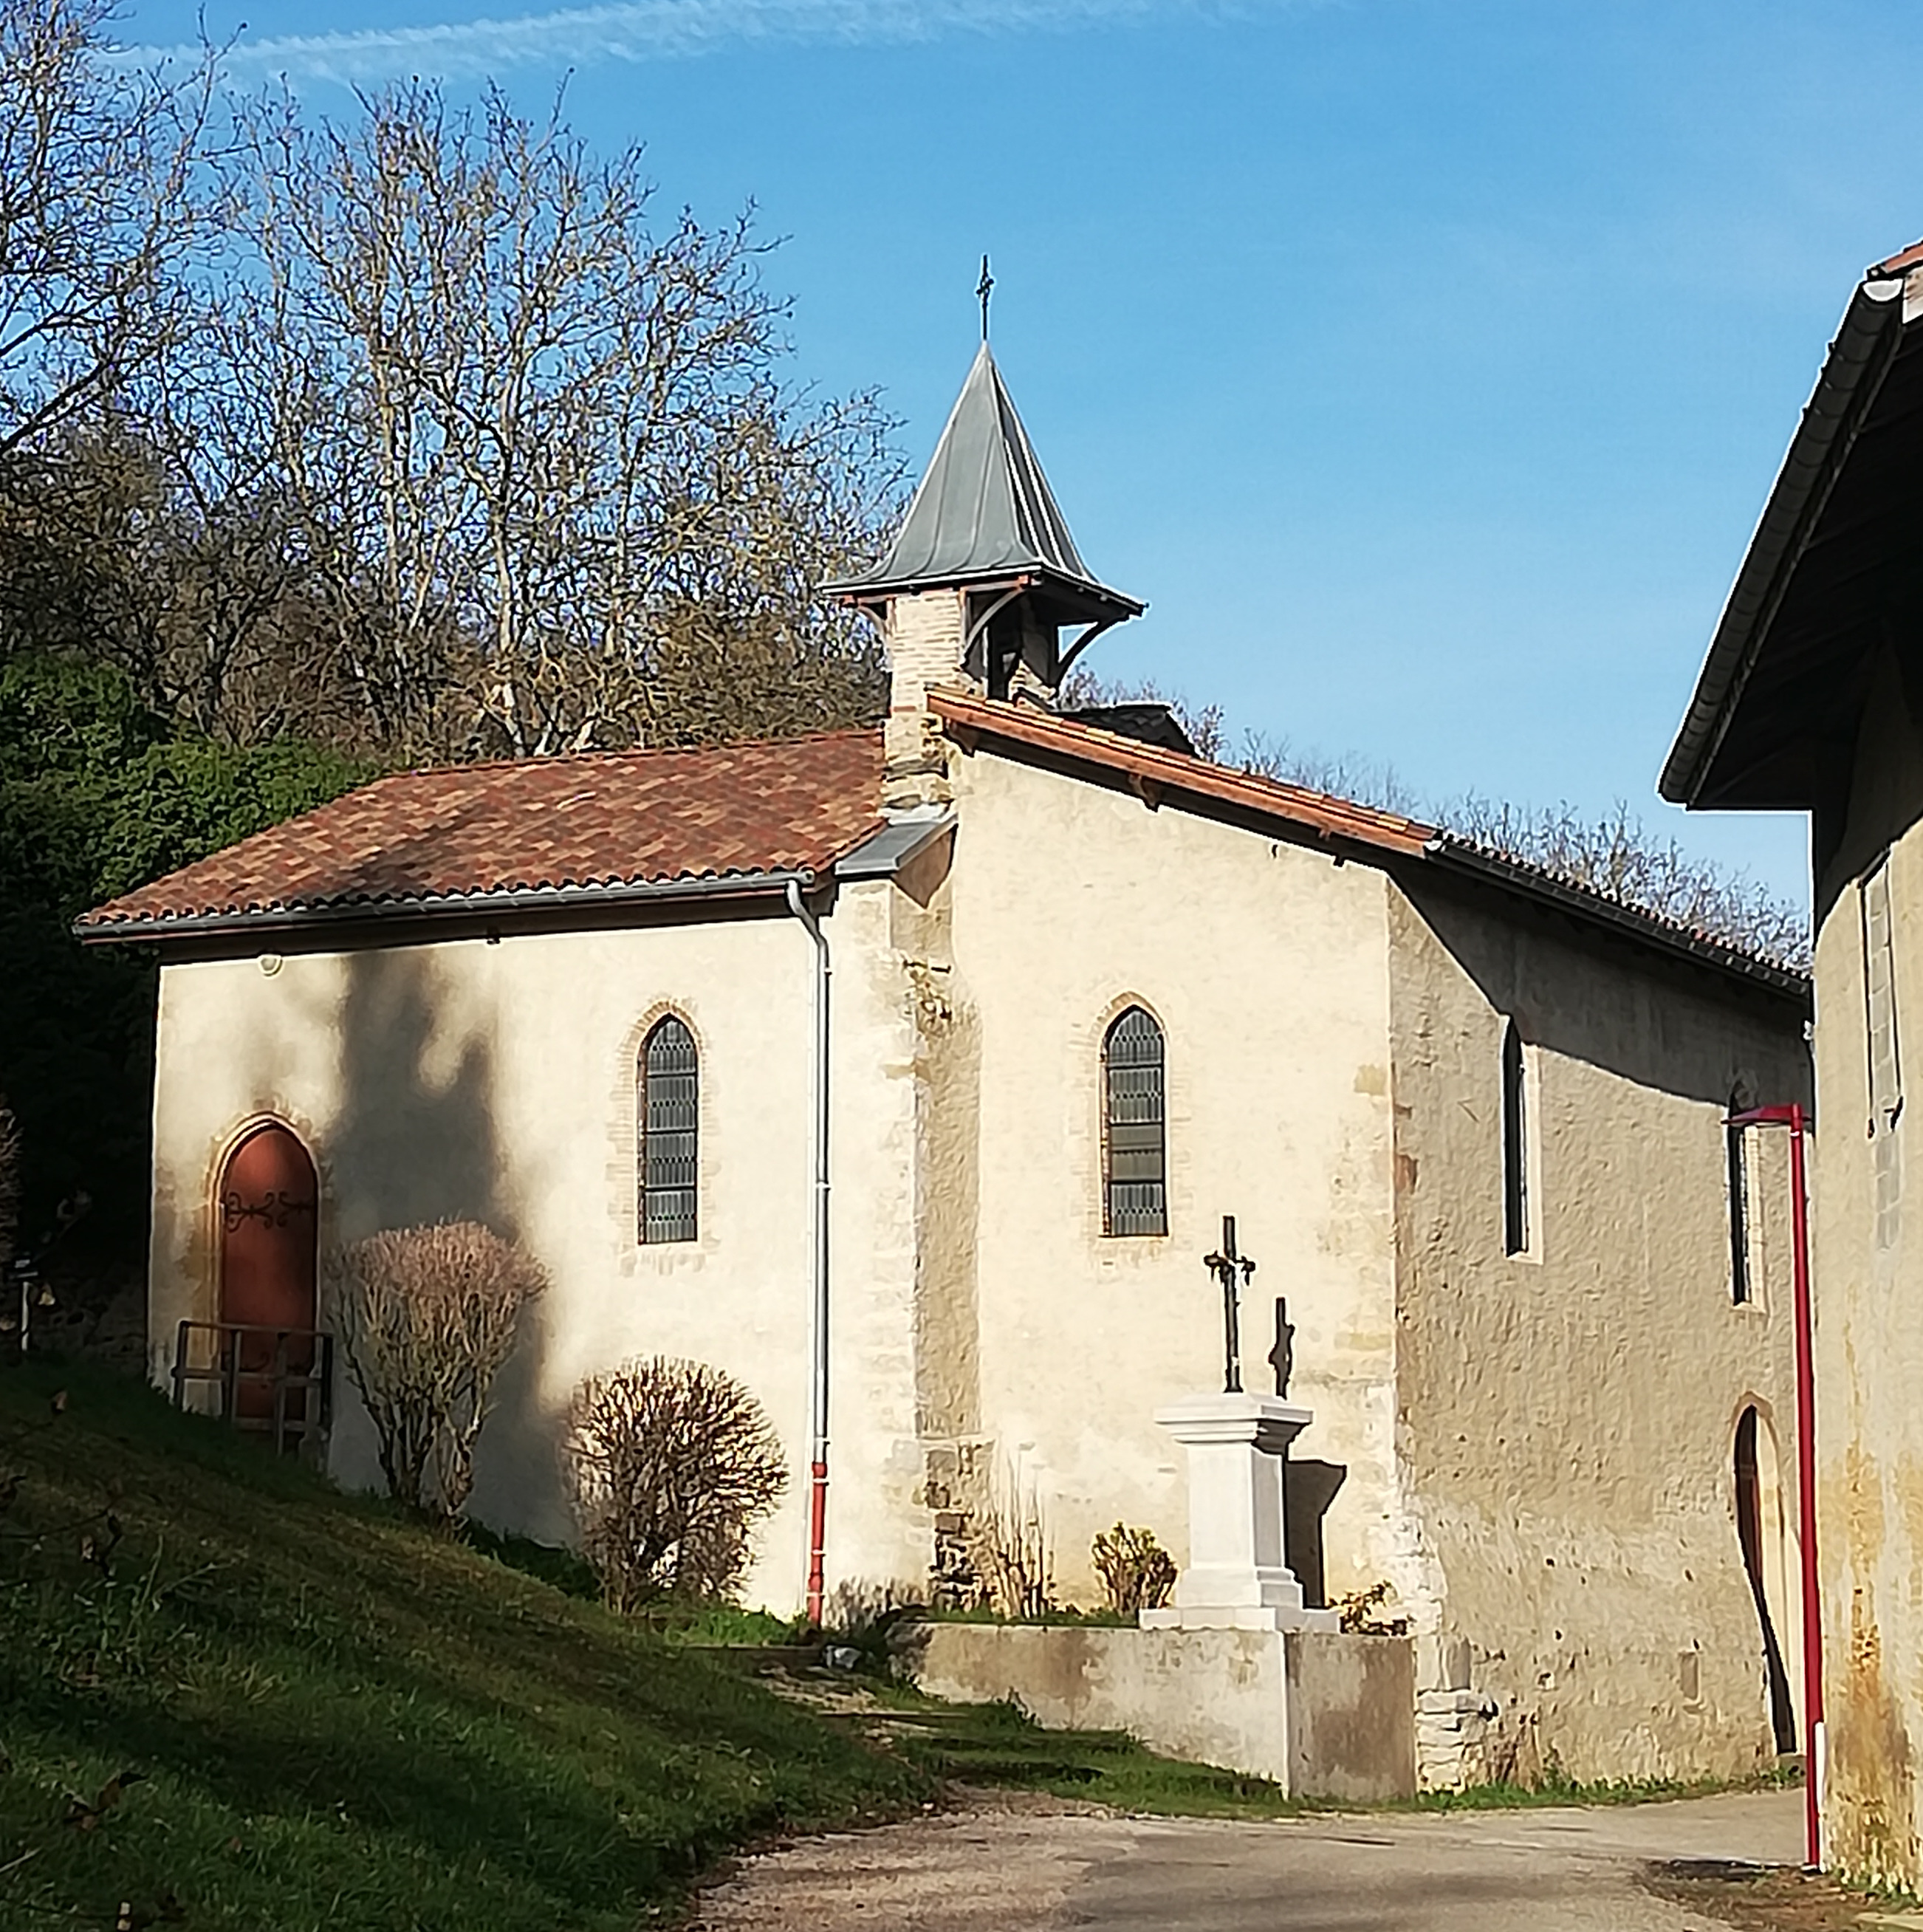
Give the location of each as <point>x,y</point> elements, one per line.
<point>1237,1576</point>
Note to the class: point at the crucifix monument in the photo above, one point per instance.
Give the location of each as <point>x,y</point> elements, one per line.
<point>1237,1576</point>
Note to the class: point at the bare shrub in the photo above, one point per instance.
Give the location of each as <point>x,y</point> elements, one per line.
<point>1364,1612</point>
<point>1010,1545</point>
<point>427,1317</point>
<point>672,1464</point>
<point>1137,1572</point>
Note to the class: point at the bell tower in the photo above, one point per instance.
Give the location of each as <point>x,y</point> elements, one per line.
<point>979,586</point>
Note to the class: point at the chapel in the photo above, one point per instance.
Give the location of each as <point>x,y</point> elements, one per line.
<point>909,1073</point>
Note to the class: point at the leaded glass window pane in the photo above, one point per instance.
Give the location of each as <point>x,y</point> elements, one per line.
<point>668,1117</point>
<point>1134,1152</point>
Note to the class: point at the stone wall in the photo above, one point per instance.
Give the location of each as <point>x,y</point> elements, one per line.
<point>1321,1713</point>
<point>1567,1413</point>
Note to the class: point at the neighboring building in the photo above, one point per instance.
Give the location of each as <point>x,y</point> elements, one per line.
<point>1811,700</point>
<point>1090,994</point>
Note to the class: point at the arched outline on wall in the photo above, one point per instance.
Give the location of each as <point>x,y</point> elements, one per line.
<point>290,1120</point>
<point>624,1173</point>
<point>1117,1010</point>
<point>1774,1594</point>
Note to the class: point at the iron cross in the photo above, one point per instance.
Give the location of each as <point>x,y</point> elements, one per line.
<point>984,289</point>
<point>1233,1271</point>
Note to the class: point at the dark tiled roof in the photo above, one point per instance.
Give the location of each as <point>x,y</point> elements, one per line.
<point>469,833</point>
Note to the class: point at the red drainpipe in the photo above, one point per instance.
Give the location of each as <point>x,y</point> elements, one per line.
<point>1794,1117</point>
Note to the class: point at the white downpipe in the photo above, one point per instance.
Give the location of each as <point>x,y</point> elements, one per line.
<point>818,1500</point>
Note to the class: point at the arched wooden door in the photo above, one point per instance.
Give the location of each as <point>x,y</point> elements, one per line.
<point>269,1202</point>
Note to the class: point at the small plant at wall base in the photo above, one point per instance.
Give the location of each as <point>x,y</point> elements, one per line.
<point>1009,1549</point>
<point>1364,1614</point>
<point>672,1464</point>
<point>1137,1572</point>
<point>427,1317</point>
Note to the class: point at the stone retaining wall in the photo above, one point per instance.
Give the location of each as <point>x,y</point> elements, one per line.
<point>1322,1713</point>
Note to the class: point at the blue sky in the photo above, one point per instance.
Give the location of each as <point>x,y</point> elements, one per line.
<point>1425,366</point>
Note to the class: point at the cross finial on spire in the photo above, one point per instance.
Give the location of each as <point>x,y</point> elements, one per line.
<point>984,289</point>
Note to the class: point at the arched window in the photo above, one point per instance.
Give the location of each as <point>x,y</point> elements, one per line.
<point>667,1120</point>
<point>1135,1193</point>
<point>1515,1143</point>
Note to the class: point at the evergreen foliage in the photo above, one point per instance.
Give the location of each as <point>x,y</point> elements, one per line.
<point>99,794</point>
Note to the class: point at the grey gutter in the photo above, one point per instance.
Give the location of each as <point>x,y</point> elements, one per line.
<point>1852,372</point>
<point>1457,855</point>
<point>450,905</point>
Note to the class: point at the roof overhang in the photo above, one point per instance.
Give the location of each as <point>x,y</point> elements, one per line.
<point>1062,599</point>
<point>265,922</point>
<point>1835,565</point>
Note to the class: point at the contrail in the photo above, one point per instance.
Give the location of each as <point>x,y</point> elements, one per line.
<point>651,30</point>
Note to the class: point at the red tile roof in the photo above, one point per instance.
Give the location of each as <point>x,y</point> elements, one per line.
<point>1906,258</point>
<point>1149,766</point>
<point>471,838</point>
<point>482,832</point>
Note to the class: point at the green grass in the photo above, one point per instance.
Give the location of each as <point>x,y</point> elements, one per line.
<point>1000,1745</point>
<point>1559,1789</point>
<point>336,1718</point>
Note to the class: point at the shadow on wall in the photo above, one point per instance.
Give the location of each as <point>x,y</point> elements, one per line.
<point>1626,1018</point>
<point>1309,1487</point>
<point>417,1140</point>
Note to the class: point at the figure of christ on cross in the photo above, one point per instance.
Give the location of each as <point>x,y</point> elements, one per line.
<point>1233,1271</point>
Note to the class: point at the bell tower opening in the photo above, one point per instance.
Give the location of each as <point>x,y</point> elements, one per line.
<point>979,587</point>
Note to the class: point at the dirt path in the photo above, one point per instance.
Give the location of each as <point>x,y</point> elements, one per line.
<point>1000,1862</point>
<point>1007,1863</point>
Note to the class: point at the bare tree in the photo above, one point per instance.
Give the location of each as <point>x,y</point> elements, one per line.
<point>102,205</point>
<point>1617,856</point>
<point>427,1316</point>
<point>672,1464</point>
<point>524,433</point>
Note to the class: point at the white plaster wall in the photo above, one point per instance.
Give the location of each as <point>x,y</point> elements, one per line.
<point>1568,1415</point>
<point>1267,965</point>
<point>496,1081</point>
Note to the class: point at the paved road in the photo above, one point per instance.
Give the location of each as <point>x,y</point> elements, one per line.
<point>1029,1870</point>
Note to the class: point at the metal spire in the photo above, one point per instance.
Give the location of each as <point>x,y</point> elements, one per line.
<point>984,289</point>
